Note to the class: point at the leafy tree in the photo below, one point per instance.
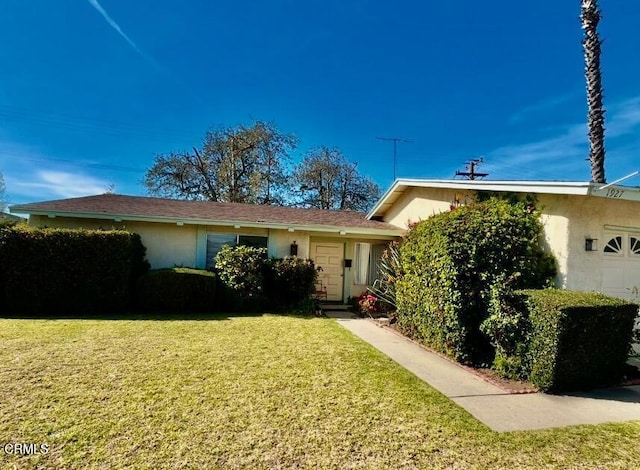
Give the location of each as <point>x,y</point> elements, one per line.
<point>235,164</point>
<point>327,180</point>
<point>591,44</point>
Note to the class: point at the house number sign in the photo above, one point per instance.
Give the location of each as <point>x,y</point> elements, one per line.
<point>614,193</point>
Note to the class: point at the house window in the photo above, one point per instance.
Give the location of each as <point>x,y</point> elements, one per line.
<point>361,263</point>
<point>251,240</point>
<point>366,263</point>
<point>374,264</point>
<point>215,242</point>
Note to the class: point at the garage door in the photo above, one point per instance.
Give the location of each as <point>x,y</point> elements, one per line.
<point>621,265</point>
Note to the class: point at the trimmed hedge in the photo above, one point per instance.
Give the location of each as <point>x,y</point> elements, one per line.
<point>177,290</point>
<point>449,263</point>
<point>289,281</point>
<point>68,272</point>
<point>578,340</point>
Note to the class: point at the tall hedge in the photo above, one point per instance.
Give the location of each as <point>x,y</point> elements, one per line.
<point>289,281</point>
<point>177,290</point>
<point>578,340</point>
<point>68,272</point>
<point>451,260</point>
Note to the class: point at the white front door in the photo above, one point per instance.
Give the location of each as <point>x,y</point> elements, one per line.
<point>621,265</point>
<point>330,257</point>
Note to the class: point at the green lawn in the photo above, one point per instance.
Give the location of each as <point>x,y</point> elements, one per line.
<point>250,392</point>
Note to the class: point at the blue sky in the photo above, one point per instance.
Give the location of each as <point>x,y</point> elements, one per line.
<point>91,90</point>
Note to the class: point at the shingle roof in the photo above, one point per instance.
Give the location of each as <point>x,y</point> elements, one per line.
<point>133,207</point>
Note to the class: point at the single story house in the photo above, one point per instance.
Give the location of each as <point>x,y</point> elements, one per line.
<point>345,244</point>
<point>593,231</point>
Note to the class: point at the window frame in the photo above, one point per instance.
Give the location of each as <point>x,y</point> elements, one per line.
<point>210,259</point>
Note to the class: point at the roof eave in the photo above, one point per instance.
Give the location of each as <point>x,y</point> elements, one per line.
<point>391,233</point>
<point>579,188</point>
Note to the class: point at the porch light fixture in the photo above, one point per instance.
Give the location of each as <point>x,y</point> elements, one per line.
<point>236,226</point>
<point>117,219</point>
<point>180,224</point>
<point>342,232</point>
<point>291,229</point>
<point>590,244</point>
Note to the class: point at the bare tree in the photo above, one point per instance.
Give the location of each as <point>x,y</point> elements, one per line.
<point>235,164</point>
<point>327,180</point>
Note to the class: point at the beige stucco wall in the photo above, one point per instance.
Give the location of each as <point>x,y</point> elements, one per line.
<point>588,218</point>
<point>280,243</point>
<point>168,245</point>
<point>418,204</point>
<point>555,219</point>
<point>568,220</point>
<point>421,203</point>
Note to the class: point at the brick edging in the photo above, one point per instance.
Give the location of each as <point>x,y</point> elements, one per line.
<point>471,370</point>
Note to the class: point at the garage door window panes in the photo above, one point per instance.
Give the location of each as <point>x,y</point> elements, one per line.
<point>621,265</point>
<point>215,242</point>
<point>614,245</point>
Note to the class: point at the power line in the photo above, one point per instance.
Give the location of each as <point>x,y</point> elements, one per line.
<point>395,141</point>
<point>471,173</point>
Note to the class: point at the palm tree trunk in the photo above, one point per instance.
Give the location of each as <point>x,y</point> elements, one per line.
<point>591,43</point>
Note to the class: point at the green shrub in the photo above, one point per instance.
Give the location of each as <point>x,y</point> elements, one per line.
<point>578,340</point>
<point>289,281</point>
<point>68,272</point>
<point>177,290</point>
<point>250,281</point>
<point>241,270</point>
<point>450,261</point>
<point>509,330</point>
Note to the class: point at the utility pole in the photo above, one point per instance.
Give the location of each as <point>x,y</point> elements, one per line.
<point>471,173</point>
<point>395,141</point>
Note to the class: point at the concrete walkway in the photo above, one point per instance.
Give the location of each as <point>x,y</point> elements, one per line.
<point>497,409</point>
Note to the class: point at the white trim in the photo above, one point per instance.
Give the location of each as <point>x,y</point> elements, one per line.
<point>611,191</point>
<point>621,228</point>
<point>201,247</point>
<point>580,188</point>
<point>391,233</point>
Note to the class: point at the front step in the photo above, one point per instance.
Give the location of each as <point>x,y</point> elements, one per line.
<point>340,311</point>
<point>340,314</point>
<point>336,307</point>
